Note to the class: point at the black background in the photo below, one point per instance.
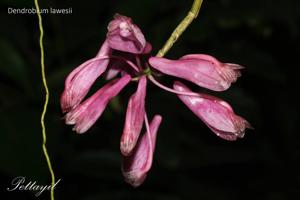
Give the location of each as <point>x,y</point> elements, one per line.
<point>190,161</point>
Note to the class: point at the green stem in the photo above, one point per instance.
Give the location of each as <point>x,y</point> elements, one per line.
<point>44,135</point>
<point>193,13</point>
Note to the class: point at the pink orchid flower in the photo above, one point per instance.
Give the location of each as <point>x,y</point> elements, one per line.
<point>203,70</point>
<point>134,118</point>
<point>215,113</point>
<point>85,115</point>
<point>123,35</point>
<point>136,166</point>
<point>123,58</point>
<point>80,80</point>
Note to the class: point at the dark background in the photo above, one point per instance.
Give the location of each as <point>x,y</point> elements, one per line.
<point>190,161</point>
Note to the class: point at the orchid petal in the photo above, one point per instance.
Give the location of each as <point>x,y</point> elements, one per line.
<point>136,166</point>
<point>134,118</point>
<point>86,114</point>
<point>200,69</point>
<point>80,80</point>
<point>124,35</point>
<point>215,113</point>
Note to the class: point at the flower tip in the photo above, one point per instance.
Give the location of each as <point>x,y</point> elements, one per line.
<point>241,133</point>
<point>64,103</point>
<point>177,85</point>
<point>153,61</point>
<point>147,48</point>
<point>126,147</point>
<point>122,17</point>
<point>133,180</point>
<point>157,119</point>
<point>76,130</point>
<point>248,125</point>
<point>234,66</point>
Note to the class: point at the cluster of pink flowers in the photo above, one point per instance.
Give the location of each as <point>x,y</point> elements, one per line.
<point>122,59</point>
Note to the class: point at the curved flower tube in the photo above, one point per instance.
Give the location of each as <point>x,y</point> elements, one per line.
<point>86,114</point>
<point>215,113</point>
<point>136,166</point>
<point>134,118</point>
<point>80,80</point>
<point>200,69</point>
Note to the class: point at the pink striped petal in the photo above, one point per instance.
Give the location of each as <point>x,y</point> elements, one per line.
<point>80,80</point>
<point>124,35</point>
<point>136,166</point>
<point>134,118</point>
<point>203,70</point>
<point>215,113</point>
<point>86,114</point>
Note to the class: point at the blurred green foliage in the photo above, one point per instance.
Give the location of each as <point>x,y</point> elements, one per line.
<point>190,161</point>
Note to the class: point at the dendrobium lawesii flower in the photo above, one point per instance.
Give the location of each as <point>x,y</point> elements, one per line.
<point>125,36</point>
<point>134,118</point>
<point>203,70</point>
<point>85,115</point>
<point>215,113</point>
<point>80,80</point>
<point>136,166</point>
<point>122,59</point>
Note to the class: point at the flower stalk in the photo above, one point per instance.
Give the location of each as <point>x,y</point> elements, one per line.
<point>192,14</point>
